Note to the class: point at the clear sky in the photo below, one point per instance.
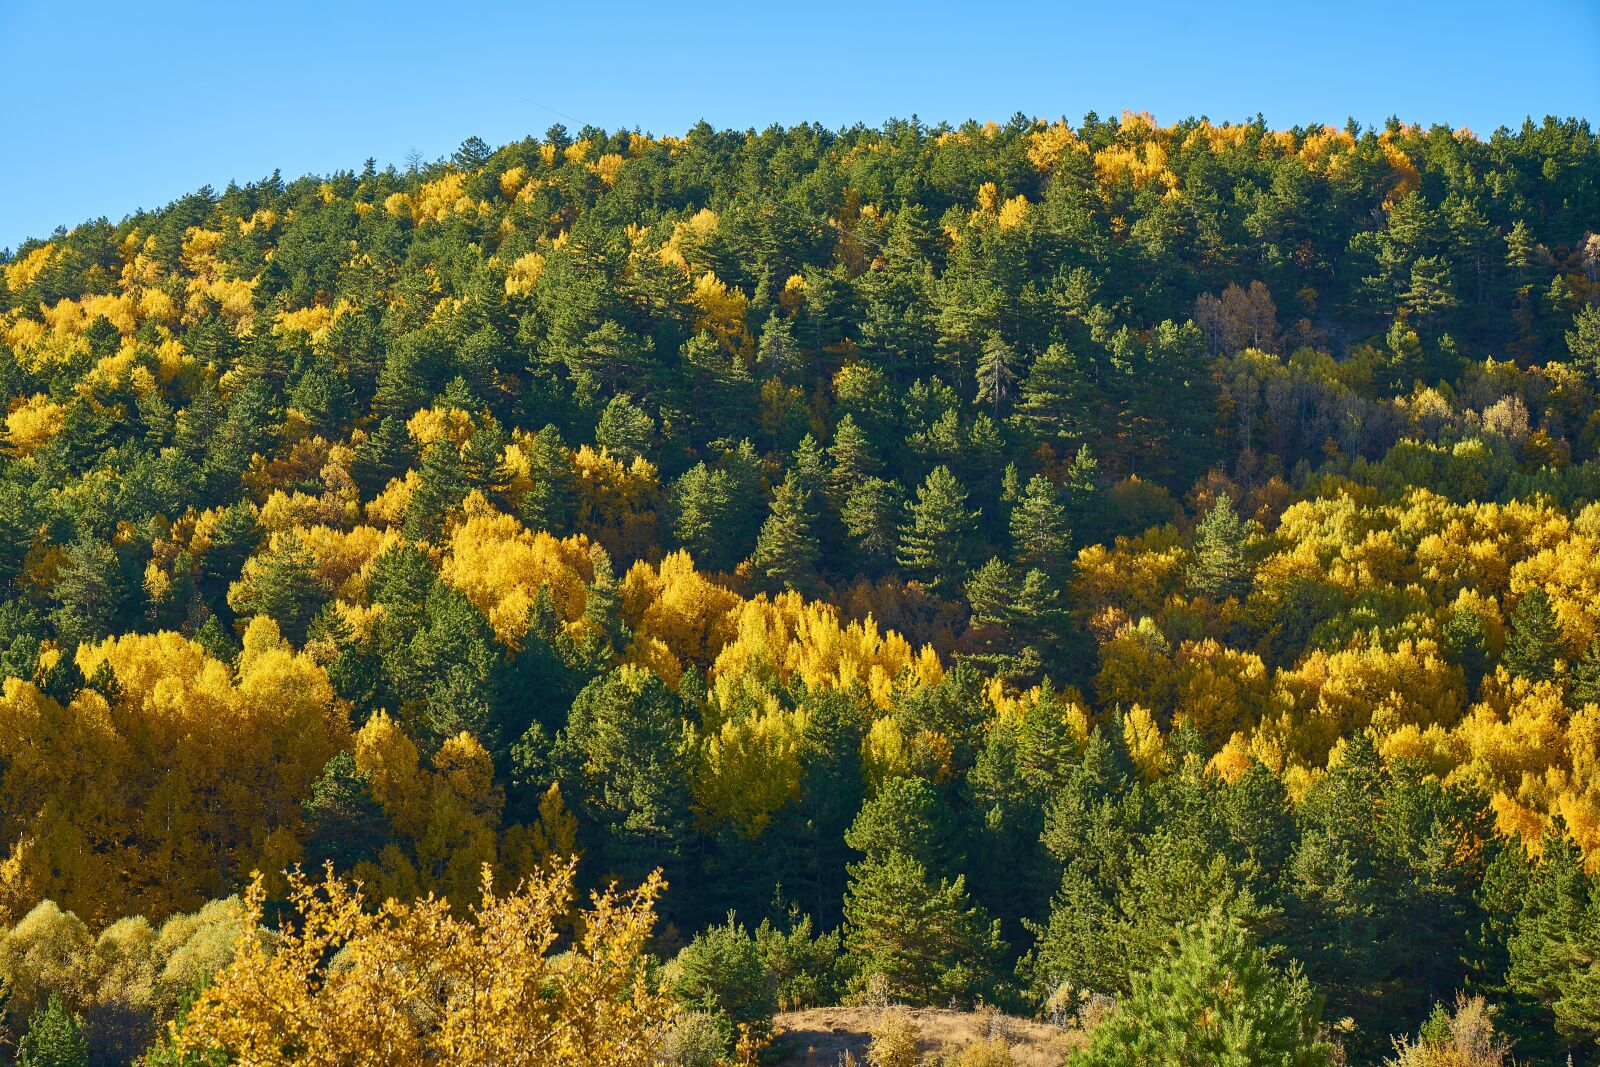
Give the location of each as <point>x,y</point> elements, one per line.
<point>112,106</point>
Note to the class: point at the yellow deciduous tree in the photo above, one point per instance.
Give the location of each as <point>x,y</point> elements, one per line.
<point>413,983</point>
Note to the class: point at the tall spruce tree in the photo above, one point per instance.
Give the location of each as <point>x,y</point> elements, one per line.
<point>786,549</point>
<point>1533,643</point>
<point>1218,568</point>
<point>936,542</point>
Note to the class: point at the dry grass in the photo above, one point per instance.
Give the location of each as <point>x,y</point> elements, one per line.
<point>821,1036</point>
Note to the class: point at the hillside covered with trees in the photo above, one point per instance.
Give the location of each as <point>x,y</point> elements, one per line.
<point>1148,573</point>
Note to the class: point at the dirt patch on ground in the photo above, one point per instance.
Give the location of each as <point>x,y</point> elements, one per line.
<point>821,1036</point>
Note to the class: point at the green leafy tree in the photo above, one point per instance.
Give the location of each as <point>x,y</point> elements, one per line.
<point>907,815</point>
<point>286,589</point>
<point>722,971</point>
<point>624,758</point>
<point>1583,340</point>
<point>997,373</point>
<point>90,590</point>
<point>871,516</point>
<point>547,504</point>
<point>1041,535</point>
<point>625,430</point>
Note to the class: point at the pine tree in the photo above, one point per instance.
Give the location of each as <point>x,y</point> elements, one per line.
<point>623,760</point>
<point>442,483</point>
<point>935,543</point>
<point>1586,677</point>
<point>1057,396</point>
<point>871,516</point>
<point>53,1039</point>
<point>1533,643</point>
<point>852,456</point>
<point>625,430</point>
<point>344,822</point>
<point>1218,568</point>
<point>1466,643</point>
<point>285,591</point>
<point>786,549</point>
<point>90,589</point>
<point>721,971</point>
<point>1555,933</point>
<point>997,372</point>
<point>602,608</point>
<point>1216,1000</point>
<point>777,352</point>
<point>1583,340</point>
<point>926,938</point>
<point>547,504</point>
<point>1040,534</point>
<point>907,815</point>
<point>703,508</point>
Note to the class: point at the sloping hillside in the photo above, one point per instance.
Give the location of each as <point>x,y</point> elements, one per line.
<point>821,1036</point>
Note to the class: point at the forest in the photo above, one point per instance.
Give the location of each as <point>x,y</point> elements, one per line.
<point>569,602</point>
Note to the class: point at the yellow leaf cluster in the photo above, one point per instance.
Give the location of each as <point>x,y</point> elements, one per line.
<point>618,504</point>
<point>722,311</point>
<point>691,617</point>
<point>1046,146</point>
<point>31,424</point>
<point>524,274</point>
<point>21,274</point>
<point>417,984</point>
<point>155,801</point>
<point>1120,162</point>
<point>499,565</point>
<point>750,768</point>
<point>439,199</point>
<point>789,636</point>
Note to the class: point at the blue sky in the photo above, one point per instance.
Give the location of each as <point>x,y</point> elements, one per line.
<point>113,106</point>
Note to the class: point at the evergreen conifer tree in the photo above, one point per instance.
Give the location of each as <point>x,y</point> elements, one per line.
<point>1218,568</point>
<point>1533,642</point>
<point>786,549</point>
<point>53,1039</point>
<point>1216,1000</point>
<point>936,541</point>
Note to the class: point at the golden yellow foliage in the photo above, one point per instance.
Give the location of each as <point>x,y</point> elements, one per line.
<point>1013,212</point>
<point>524,274</point>
<point>21,274</point>
<point>1046,146</point>
<point>499,564</point>
<point>511,182</point>
<point>416,984</point>
<point>439,199</point>
<point>722,312</point>
<point>787,636</point>
<point>618,504</point>
<point>31,424</point>
<point>153,802</point>
<point>750,768</point>
<point>1122,162</point>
